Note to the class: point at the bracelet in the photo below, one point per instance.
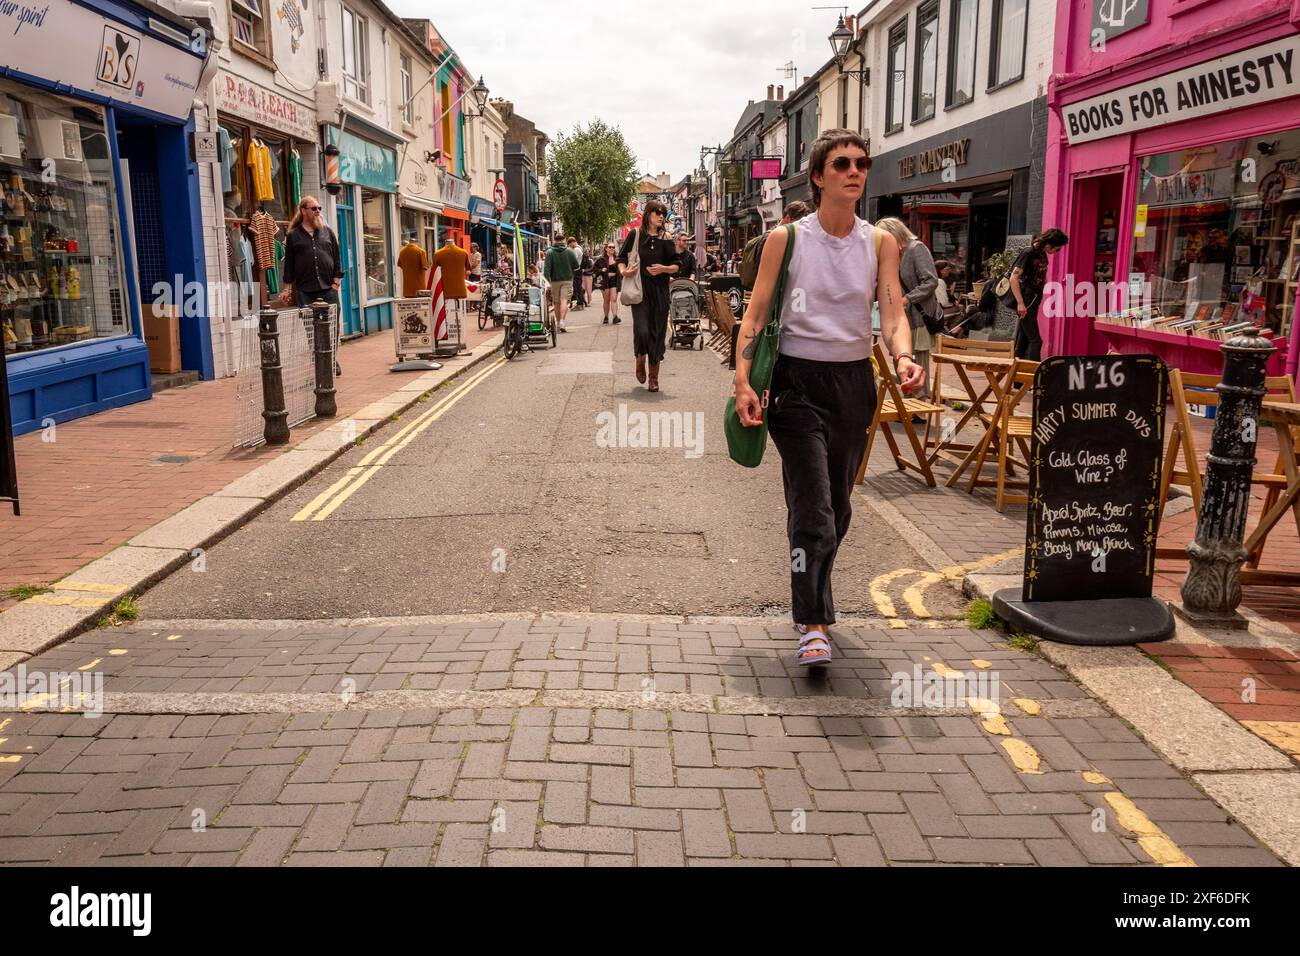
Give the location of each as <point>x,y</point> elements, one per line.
<point>906,355</point>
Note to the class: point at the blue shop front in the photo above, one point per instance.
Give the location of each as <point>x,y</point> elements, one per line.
<point>95,128</point>
<point>365,216</point>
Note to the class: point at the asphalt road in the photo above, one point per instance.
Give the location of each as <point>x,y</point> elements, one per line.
<point>508,502</point>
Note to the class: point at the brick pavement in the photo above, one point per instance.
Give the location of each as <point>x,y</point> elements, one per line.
<point>775,769</point>
<point>110,476</point>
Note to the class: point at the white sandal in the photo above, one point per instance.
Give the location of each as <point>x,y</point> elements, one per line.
<point>815,648</point>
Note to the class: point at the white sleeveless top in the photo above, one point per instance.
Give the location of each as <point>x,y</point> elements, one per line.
<point>829,291</point>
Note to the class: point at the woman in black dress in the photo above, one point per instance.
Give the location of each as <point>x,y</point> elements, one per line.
<point>658,265</point>
<point>608,279</point>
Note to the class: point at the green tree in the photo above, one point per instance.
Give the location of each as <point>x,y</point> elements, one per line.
<point>592,179</point>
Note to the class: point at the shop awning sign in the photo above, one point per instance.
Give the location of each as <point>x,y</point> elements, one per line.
<point>77,47</point>
<point>1260,74</point>
<point>455,191</point>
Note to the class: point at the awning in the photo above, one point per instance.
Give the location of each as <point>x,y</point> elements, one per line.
<point>415,202</point>
<point>450,212</point>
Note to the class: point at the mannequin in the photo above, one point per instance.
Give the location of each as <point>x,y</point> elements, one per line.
<point>414,263</point>
<point>454,263</point>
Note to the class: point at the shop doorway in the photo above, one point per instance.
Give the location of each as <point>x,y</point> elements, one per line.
<point>988,228</point>
<point>349,306</point>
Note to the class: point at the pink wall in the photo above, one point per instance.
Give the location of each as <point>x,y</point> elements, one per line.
<point>1178,34</point>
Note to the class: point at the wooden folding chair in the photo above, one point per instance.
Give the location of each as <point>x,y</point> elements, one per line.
<point>893,406</point>
<point>1182,464</point>
<point>955,451</point>
<point>1009,432</point>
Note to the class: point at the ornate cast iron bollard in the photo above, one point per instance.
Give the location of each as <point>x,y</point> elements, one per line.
<point>1212,590</point>
<point>326,406</point>
<point>276,430</point>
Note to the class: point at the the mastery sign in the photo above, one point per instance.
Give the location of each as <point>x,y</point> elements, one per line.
<point>1094,483</point>
<point>1257,75</point>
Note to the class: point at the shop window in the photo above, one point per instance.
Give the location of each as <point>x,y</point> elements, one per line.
<point>895,85</point>
<point>964,15</point>
<point>1010,23</point>
<point>374,243</point>
<point>408,89</point>
<point>356,60</point>
<point>927,61</point>
<point>61,276</point>
<point>248,27</point>
<point>1219,247</point>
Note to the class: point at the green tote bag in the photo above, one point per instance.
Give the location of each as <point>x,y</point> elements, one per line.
<point>746,445</point>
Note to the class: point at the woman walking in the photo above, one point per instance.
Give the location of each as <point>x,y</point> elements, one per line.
<point>608,280</point>
<point>1028,277</point>
<point>658,265</point>
<point>822,396</point>
<point>920,281</point>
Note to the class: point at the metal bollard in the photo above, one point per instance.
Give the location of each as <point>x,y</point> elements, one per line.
<point>1212,589</point>
<point>276,430</point>
<point>326,405</point>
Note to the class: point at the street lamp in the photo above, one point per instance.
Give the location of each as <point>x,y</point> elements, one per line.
<point>841,39</point>
<point>480,92</point>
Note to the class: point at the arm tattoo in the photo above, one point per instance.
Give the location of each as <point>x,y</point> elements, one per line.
<point>751,349</point>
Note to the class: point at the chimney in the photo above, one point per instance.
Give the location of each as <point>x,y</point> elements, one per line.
<point>771,91</point>
<point>780,94</point>
<point>852,23</point>
<point>805,80</point>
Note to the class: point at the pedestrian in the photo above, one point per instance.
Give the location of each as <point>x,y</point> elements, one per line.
<point>558,271</point>
<point>1028,277</point>
<point>608,280</point>
<point>575,250</point>
<point>920,281</point>
<point>822,395</point>
<point>588,276</point>
<point>685,258</point>
<point>312,268</point>
<point>752,256</point>
<point>475,262</point>
<point>658,264</point>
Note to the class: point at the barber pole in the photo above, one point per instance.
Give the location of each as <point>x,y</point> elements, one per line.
<point>438,305</point>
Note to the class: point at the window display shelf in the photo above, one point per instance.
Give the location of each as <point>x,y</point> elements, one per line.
<point>1191,353</point>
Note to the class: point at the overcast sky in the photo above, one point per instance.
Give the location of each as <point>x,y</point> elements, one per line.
<point>672,74</point>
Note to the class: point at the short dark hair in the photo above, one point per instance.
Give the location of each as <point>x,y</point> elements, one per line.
<point>1051,237</point>
<point>558,237</point>
<point>940,265</point>
<point>796,210</point>
<point>830,140</point>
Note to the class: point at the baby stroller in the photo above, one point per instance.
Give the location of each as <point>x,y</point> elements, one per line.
<point>684,314</point>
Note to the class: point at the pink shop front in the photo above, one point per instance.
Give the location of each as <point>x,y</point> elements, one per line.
<point>1174,167</point>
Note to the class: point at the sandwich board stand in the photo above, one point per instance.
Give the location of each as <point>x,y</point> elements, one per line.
<point>1094,501</point>
<point>413,335</point>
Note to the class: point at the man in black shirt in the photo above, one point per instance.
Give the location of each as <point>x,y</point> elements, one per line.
<point>313,267</point>
<point>686,264</point>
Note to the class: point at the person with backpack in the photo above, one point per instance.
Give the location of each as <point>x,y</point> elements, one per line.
<point>822,396</point>
<point>558,270</point>
<point>754,248</point>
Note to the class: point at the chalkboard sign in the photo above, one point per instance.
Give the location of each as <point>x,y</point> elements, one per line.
<point>1094,483</point>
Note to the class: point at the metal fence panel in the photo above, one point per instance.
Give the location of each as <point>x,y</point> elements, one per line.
<point>298,362</point>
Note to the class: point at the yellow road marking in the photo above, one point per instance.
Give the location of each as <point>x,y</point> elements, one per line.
<point>943,670</point>
<point>117,652</point>
<point>173,637</point>
<point>915,595</point>
<point>996,724</point>
<point>878,596</point>
<point>1151,838</point>
<point>980,665</point>
<point>14,759</point>
<point>53,601</point>
<point>86,667</point>
<point>1031,708</point>
<point>982,707</point>
<point>86,586</point>
<point>329,501</point>
<point>1282,734</point>
<point>6,722</point>
<point>1022,754</point>
<point>1095,777</point>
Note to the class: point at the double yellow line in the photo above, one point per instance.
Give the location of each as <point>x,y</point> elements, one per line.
<point>329,500</point>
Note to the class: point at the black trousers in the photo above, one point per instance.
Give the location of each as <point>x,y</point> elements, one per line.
<point>304,297</point>
<point>818,416</point>
<point>650,320</point>
<point>1029,342</point>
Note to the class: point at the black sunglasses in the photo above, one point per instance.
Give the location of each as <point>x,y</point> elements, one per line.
<point>312,208</point>
<point>841,164</point>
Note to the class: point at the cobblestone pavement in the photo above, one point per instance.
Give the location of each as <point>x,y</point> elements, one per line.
<point>584,741</point>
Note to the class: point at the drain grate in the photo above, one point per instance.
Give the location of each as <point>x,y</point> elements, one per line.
<point>176,459</point>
